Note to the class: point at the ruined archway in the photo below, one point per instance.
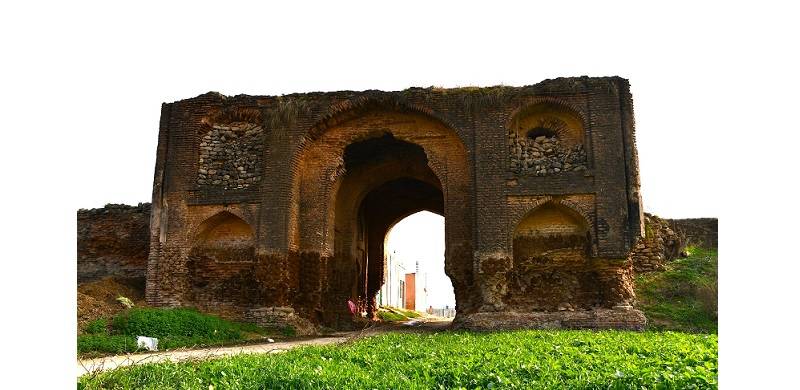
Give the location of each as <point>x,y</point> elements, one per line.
<point>484,158</point>
<point>358,178</point>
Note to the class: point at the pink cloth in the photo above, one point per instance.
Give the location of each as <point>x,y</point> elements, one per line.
<point>351,306</point>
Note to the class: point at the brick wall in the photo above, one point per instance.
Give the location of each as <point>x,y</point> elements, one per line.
<point>113,241</point>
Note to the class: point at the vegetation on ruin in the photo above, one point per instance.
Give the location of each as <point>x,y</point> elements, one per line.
<point>174,328</point>
<point>287,110</point>
<point>683,297</point>
<point>516,359</point>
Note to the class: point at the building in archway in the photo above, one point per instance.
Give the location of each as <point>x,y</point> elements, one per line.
<point>272,207</point>
<point>392,292</point>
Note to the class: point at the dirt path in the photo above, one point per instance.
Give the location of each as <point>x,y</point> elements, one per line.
<point>87,366</point>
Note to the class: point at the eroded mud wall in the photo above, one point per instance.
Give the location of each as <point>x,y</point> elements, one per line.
<point>113,241</point>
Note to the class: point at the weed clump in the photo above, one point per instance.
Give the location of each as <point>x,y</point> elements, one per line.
<point>98,326</point>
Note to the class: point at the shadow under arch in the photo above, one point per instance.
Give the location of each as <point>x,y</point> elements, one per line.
<point>544,106</point>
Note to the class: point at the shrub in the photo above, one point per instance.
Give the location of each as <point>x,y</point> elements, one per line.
<point>98,326</point>
<point>106,344</point>
<point>707,295</point>
<point>163,323</point>
<point>683,296</point>
<point>407,313</point>
<point>288,331</point>
<point>174,328</point>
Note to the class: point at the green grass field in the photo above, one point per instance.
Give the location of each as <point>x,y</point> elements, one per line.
<point>683,297</point>
<point>518,359</point>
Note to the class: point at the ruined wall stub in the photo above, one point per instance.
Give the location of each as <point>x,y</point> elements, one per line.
<point>268,204</point>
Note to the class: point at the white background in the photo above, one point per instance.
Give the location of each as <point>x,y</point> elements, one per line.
<point>714,88</point>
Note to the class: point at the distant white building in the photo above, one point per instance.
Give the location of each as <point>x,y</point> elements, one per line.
<point>397,280</point>
<point>392,293</point>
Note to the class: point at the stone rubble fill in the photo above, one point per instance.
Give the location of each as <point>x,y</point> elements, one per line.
<point>544,156</point>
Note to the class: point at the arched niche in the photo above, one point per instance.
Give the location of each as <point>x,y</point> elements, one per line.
<point>225,237</point>
<point>552,269</point>
<point>557,118</point>
<point>547,138</point>
<point>222,265</point>
<point>548,230</point>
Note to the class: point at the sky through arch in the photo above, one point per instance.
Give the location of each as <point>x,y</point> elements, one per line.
<point>420,238</point>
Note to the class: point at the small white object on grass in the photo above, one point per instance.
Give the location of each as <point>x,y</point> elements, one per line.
<point>271,340</point>
<point>148,343</point>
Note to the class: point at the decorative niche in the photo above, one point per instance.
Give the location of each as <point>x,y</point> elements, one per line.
<point>546,139</point>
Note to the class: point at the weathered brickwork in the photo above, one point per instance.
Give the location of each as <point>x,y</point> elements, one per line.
<point>538,185</point>
<point>113,241</point>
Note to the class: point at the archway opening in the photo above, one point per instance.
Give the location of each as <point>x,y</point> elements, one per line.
<point>413,275</point>
<point>340,221</point>
<point>385,180</point>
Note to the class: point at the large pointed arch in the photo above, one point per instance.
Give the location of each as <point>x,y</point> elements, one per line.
<point>419,146</point>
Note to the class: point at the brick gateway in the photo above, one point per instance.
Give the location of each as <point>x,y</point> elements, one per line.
<point>274,209</point>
